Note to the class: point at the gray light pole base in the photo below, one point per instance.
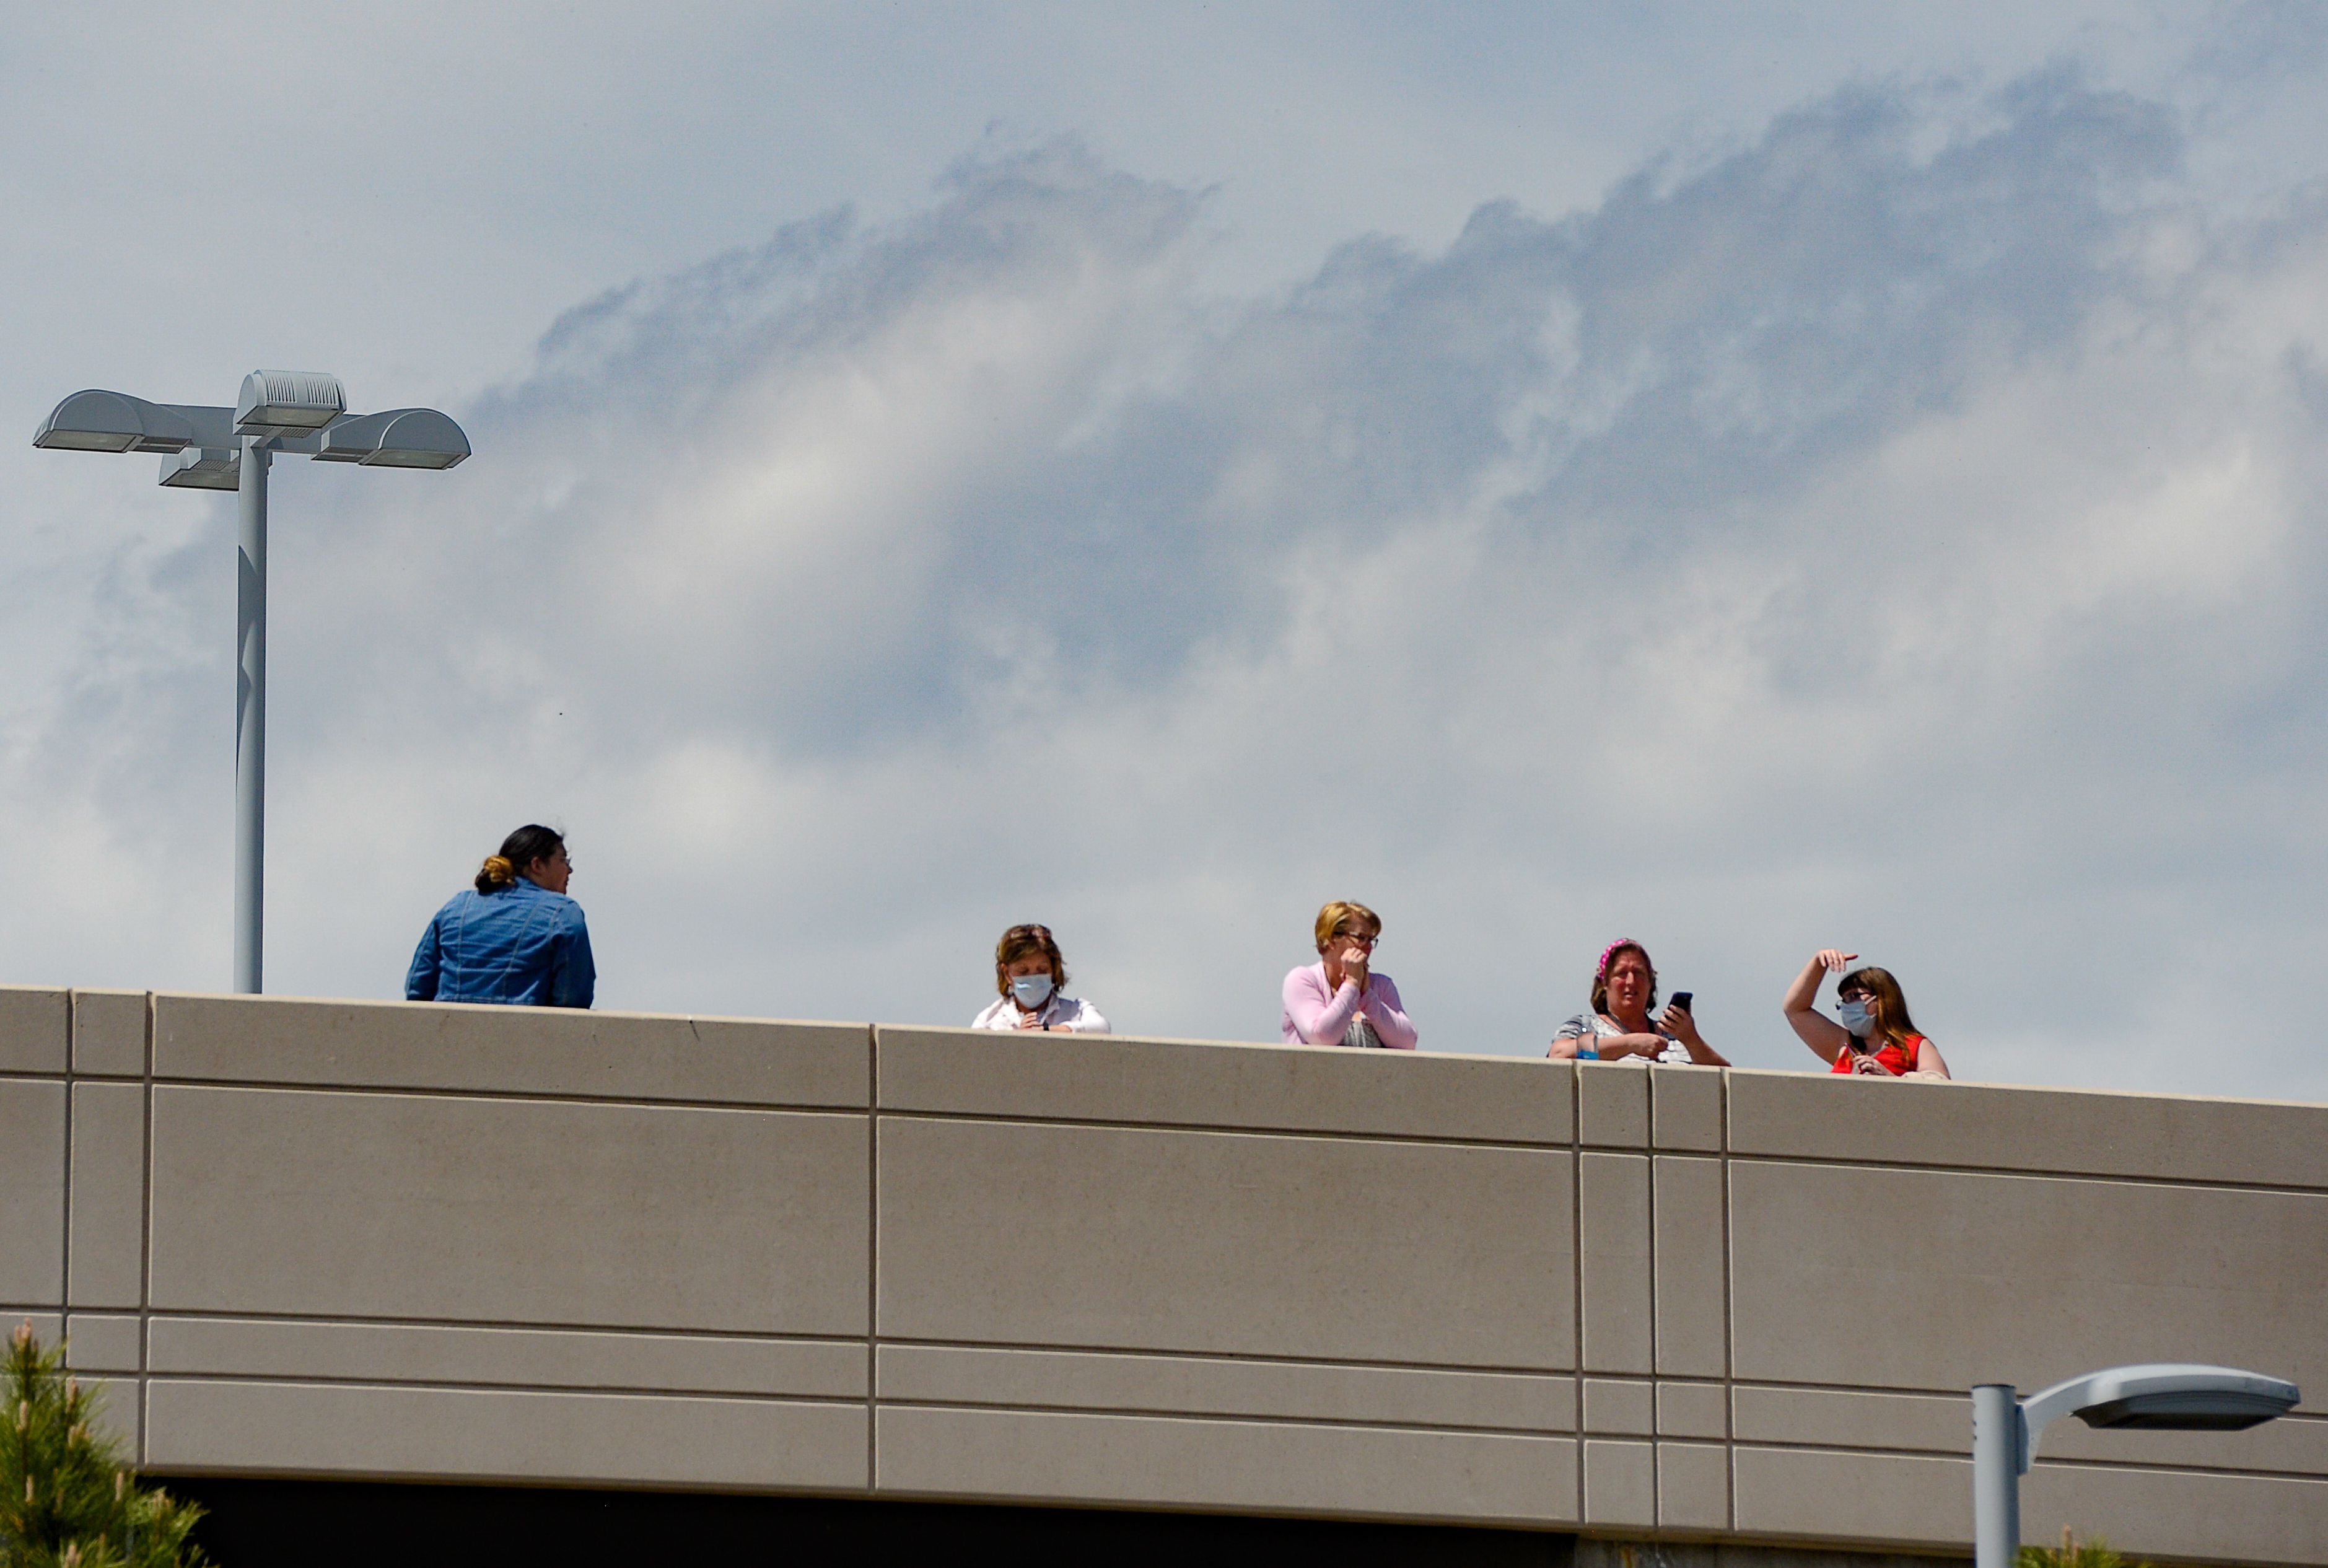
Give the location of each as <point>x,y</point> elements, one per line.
<point>1996,1475</point>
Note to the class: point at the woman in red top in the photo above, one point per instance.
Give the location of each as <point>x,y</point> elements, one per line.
<point>1875,1036</point>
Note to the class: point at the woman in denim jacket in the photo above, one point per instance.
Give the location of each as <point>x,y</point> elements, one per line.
<point>517,939</point>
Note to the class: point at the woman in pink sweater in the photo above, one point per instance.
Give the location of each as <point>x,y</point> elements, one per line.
<point>1338,1001</point>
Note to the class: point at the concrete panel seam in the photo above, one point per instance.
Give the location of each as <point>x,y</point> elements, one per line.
<point>500,1326</point>
<point>1151,1352</point>
<point>1117,1413</point>
<point>2083,1463</point>
<point>872,1253</point>
<point>1729,1320</point>
<point>1576,1272</point>
<point>1218,1130</point>
<point>65,1185</point>
<point>146,1234</point>
<point>1244,1418</point>
<point>1767,1445</point>
<point>628,1391</point>
<point>2202,1472</point>
<point>1654,1304</point>
<point>528,1097</point>
<point>2027,1173</point>
<point>1148,1352</point>
<point>642,1330</point>
<point>1886,1389</point>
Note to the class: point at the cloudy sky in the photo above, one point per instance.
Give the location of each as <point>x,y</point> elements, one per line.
<point>1752,480</point>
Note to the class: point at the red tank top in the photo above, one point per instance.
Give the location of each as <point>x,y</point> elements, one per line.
<point>1899,1058</point>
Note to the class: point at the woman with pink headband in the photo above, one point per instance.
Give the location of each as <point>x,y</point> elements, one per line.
<point>1618,1027</point>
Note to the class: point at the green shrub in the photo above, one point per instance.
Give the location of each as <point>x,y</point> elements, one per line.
<point>67,1498</point>
<point>2070,1554</point>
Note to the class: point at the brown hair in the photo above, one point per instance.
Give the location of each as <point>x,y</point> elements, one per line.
<point>1340,913</point>
<point>1610,955</point>
<point>1028,942</point>
<point>522,848</point>
<point>1892,1019</point>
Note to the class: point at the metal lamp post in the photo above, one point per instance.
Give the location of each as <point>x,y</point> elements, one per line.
<point>2159,1396</point>
<point>206,447</point>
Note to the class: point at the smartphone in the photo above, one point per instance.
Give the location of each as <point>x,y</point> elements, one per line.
<point>1680,998</point>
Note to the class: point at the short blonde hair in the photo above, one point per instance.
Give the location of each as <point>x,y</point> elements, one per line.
<point>1340,913</point>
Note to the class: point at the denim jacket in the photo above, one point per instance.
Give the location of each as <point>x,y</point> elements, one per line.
<point>522,944</point>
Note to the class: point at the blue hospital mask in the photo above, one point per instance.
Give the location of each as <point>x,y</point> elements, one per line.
<point>1854,1016</point>
<point>1031,990</point>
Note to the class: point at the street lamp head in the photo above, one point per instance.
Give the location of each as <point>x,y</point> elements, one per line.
<point>288,403</point>
<point>2171,1396</point>
<point>204,468</point>
<point>102,421</point>
<point>2184,1398</point>
<point>397,439</point>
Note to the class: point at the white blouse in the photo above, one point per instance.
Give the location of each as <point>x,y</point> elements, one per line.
<point>1596,1025</point>
<point>1060,1013</point>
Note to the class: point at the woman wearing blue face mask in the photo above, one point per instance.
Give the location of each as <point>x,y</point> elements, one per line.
<point>1032,977</point>
<point>1871,1033</point>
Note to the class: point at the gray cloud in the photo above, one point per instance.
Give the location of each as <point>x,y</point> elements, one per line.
<point>1899,531</point>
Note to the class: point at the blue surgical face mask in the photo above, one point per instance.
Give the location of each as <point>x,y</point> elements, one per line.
<point>1854,1016</point>
<point>1031,990</point>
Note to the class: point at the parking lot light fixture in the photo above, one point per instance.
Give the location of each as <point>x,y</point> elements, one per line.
<point>2159,1396</point>
<point>207,446</point>
<point>100,422</point>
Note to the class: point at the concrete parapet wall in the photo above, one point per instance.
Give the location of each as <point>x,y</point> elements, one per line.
<point>326,1238</point>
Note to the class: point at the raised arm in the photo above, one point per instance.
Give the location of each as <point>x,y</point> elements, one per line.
<point>1823,1035</point>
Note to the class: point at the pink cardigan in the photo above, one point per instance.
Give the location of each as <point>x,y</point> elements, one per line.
<point>1317,1016</point>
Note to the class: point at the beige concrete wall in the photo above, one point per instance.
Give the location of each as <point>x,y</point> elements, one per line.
<point>359,1239</point>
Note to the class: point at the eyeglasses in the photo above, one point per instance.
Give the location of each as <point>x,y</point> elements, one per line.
<point>1365,942</point>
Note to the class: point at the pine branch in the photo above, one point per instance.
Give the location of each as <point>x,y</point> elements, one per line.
<point>68,1499</point>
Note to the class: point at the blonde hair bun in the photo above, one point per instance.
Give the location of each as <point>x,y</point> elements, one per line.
<point>497,870</point>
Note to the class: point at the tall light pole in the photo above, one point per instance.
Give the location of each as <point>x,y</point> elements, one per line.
<point>2171,1396</point>
<point>206,447</point>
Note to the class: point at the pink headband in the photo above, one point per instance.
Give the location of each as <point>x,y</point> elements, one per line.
<point>1613,949</point>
